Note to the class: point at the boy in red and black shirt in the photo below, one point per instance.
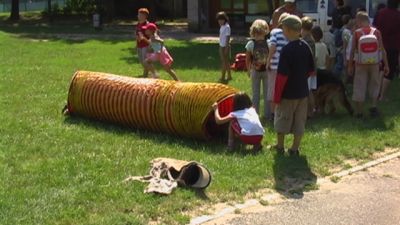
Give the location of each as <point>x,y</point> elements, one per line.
<point>142,41</point>
<point>296,64</point>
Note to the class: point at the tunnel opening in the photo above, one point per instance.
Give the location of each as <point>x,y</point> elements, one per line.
<point>214,130</point>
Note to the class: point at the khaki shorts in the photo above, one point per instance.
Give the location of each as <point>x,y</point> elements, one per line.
<point>142,52</point>
<point>366,77</point>
<point>271,84</point>
<point>291,116</point>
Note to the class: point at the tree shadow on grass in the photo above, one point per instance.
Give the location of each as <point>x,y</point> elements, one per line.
<point>68,33</point>
<point>293,175</point>
<point>190,55</point>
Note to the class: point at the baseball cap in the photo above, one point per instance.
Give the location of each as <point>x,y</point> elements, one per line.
<point>150,26</point>
<point>144,10</point>
<point>292,22</point>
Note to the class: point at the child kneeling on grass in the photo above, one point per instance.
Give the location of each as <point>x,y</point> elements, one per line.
<point>296,63</point>
<point>244,122</point>
<point>158,52</point>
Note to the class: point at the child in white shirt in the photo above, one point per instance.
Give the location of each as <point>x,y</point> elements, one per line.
<point>244,122</point>
<point>224,46</point>
<point>321,50</point>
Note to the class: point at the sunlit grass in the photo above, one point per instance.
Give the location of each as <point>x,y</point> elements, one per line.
<point>57,170</point>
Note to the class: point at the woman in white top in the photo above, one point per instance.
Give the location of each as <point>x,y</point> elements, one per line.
<point>224,46</point>
<point>244,122</point>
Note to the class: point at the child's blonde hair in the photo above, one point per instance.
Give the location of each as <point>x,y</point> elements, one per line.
<point>351,24</point>
<point>362,17</point>
<point>307,23</point>
<point>259,26</point>
<point>282,17</point>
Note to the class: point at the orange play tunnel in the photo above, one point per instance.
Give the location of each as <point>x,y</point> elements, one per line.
<point>178,108</point>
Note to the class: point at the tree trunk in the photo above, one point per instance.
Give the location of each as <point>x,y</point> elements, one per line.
<point>49,10</point>
<point>14,10</point>
<point>108,10</point>
<point>49,6</point>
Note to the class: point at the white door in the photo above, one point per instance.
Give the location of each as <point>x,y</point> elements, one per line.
<point>372,6</point>
<point>316,9</point>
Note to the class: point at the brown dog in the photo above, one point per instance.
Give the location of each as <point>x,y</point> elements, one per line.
<point>329,88</point>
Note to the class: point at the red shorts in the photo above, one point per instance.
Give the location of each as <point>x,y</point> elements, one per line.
<point>250,140</point>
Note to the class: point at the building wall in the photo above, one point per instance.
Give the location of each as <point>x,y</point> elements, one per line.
<point>201,13</point>
<point>158,8</point>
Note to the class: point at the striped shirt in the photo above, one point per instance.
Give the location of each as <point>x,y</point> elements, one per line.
<point>279,40</point>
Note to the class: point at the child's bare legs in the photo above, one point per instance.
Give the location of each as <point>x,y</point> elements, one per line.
<point>141,52</point>
<point>296,142</point>
<point>221,56</point>
<point>281,141</point>
<point>272,107</point>
<point>151,69</point>
<point>225,67</point>
<point>228,67</point>
<point>171,72</point>
<point>145,70</point>
<point>358,108</point>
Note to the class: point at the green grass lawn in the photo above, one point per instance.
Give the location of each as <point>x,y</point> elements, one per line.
<point>57,170</point>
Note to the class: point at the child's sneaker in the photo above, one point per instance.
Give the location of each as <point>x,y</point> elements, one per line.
<point>279,150</point>
<point>272,117</point>
<point>359,116</point>
<point>373,112</point>
<point>293,152</point>
<point>257,148</point>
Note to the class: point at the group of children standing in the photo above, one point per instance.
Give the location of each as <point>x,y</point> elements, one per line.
<point>284,67</point>
<point>281,67</point>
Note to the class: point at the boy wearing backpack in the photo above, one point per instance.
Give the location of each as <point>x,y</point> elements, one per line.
<point>367,51</point>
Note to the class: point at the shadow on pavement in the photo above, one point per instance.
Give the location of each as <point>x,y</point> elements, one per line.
<point>293,175</point>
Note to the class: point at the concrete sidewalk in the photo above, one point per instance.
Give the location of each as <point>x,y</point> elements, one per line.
<point>368,197</point>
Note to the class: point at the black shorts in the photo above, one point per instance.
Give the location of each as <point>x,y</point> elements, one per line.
<point>393,60</point>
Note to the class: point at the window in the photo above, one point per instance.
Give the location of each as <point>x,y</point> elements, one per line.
<point>353,4</point>
<point>238,4</point>
<point>232,5</point>
<point>259,7</point>
<point>373,6</point>
<point>308,6</point>
<point>225,4</point>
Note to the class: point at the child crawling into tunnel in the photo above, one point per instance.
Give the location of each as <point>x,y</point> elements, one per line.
<point>244,122</point>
